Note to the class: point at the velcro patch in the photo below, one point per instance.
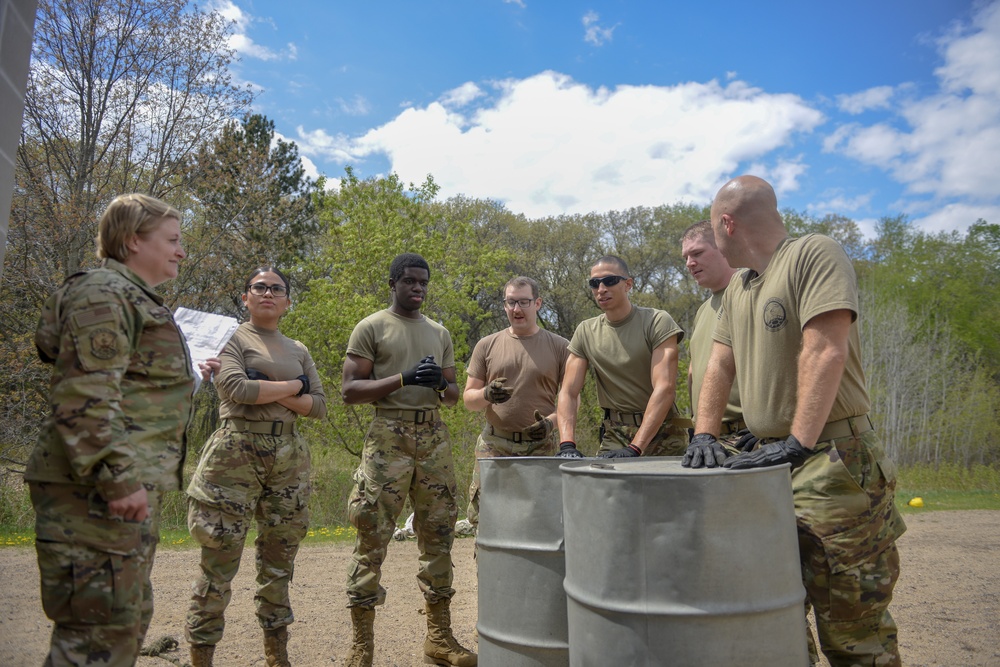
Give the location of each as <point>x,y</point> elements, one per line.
<point>89,318</point>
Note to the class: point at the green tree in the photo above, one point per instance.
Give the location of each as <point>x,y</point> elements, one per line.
<point>252,205</point>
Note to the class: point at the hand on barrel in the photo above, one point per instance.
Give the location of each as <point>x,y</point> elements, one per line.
<point>704,452</point>
<point>789,450</point>
<point>568,450</point>
<point>627,452</point>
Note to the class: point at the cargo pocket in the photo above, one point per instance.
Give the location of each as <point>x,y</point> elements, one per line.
<point>89,589</point>
<point>362,510</point>
<point>862,573</point>
<point>214,528</point>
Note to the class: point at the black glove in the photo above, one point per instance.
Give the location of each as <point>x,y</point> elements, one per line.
<point>627,452</point>
<point>704,452</point>
<point>747,440</point>
<point>568,450</point>
<point>495,392</point>
<point>254,374</point>
<point>425,374</point>
<point>541,428</point>
<point>305,384</point>
<point>789,450</point>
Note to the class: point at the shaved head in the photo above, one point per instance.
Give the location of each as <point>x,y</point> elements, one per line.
<point>746,196</point>
<point>746,222</point>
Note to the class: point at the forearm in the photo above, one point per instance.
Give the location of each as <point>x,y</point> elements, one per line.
<point>818,380</point>
<point>715,388</point>
<point>272,391</point>
<point>657,409</point>
<point>357,391</point>
<point>449,396</point>
<point>566,416</point>
<point>300,405</point>
<point>473,397</point>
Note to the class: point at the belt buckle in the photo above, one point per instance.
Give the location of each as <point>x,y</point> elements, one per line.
<point>419,416</point>
<point>517,437</point>
<point>637,418</point>
<point>280,426</point>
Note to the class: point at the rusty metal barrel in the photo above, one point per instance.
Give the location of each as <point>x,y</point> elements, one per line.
<point>669,566</point>
<point>521,563</point>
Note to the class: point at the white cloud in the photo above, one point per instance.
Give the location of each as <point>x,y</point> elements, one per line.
<point>873,98</point>
<point>548,145</point>
<point>945,145</point>
<point>519,3</point>
<point>240,41</point>
<point>320,144</point>
<point>840,204</point>
<point>958,216</point>
<point>459,97</point>
<point>592,32</point>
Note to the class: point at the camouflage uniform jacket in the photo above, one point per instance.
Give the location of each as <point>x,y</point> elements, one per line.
<point>121,389</point>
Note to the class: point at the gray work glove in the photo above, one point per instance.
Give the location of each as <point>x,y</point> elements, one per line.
<point>254,374</point>
<point>568,450</point>
<point>789,450</point>
<point>747,441</point>
<point>541,428</point>
<point>496,392</point>
<point>627,452</point>
<point>704,452</point>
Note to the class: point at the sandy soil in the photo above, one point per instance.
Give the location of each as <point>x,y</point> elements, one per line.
<point>947,601</point>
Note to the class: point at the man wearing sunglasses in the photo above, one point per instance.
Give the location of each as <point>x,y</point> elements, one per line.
<point>403,363</point>
<point>788,328</point>
<point>514,376</point>
<point>633,352</point>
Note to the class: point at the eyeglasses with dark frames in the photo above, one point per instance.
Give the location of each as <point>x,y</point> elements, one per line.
<point>260,289</point>
<point>607,281</point>
<point>524,303</point>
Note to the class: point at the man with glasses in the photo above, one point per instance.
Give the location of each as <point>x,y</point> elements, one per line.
<point>404,364</point>
<point>514,376</point>
<point>633,351</point>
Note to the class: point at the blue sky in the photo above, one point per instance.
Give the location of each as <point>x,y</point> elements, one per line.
<point>859,108</point>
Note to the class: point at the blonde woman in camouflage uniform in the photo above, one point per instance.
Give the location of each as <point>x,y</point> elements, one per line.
<point>120,396</point>
<point>392,361</point>
<point>256,466</point>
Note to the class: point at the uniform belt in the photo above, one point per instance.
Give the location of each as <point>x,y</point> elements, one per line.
<point>734,426</point>
<point>276,427</point>
<point>415,416</point>
<point>635,419</point>
<point>844,428</point>
<point>513,436</point>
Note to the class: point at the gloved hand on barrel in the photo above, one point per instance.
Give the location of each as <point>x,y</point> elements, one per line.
<point>789,450</point>
<point>627,452</point>
<point>704,452</point>
<point>568,450</point>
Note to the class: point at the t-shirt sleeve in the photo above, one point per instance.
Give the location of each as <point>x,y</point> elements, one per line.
<point>662,329</point>
<point>448,356</point>
<point>825,279</point>
<point>578,344</point>
<point>362,341</point>
<point>477,363</point>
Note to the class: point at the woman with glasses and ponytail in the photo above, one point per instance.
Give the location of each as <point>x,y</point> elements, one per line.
<point>633,351</point>
<point>254,467</point>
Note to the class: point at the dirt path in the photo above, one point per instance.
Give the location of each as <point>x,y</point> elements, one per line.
<point>947,601</point>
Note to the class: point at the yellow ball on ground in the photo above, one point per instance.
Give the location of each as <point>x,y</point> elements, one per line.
<point>916,502</point>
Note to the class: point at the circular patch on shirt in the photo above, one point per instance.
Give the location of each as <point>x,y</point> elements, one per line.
<point>103,344</point>
<point>775,317</point>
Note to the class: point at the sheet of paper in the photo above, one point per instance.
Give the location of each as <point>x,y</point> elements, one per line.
<point>206,334</point>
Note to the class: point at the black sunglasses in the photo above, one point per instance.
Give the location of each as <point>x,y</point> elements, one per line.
<point>607,281</point>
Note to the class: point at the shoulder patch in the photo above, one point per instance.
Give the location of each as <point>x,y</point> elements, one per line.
<point>104,343</point>
<point>89,318</point>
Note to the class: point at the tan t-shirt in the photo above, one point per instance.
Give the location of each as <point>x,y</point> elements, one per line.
<point>762,319</point>
<point>620,355</point>
<point>533,366</point>
<point>700,344</point>
<point>276,356</point>
<point>393,344</point>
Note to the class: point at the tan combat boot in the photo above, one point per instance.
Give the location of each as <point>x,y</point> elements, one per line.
<point>276,647</point>
<point>201,655</point>
<point>441,647</point>
<point>363,647</point>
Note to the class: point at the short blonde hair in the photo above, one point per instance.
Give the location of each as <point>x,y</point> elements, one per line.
<point>128,216</point>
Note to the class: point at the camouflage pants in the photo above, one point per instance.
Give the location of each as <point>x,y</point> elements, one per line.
<point>403,460</point>
<point>490,446</point>
<point>95,588</point>
<point>848,524</point>
<point>669,440</point>
<point>240,477</point>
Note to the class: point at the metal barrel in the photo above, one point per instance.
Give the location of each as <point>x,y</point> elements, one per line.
<point>521,563</point>
<point>670,566</point>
